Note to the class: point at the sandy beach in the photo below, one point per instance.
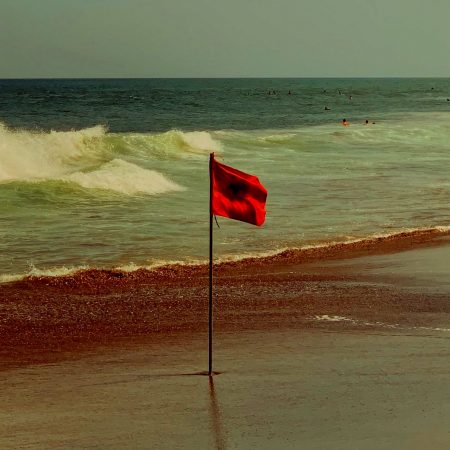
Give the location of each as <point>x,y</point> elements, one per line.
<point>316,351</point>
<point>44,319</point>
<point>280,389</point>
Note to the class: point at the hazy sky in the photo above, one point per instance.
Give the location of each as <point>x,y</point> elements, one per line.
<point>221,38</point>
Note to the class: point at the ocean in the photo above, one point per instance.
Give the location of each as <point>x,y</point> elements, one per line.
<point>114,173</point>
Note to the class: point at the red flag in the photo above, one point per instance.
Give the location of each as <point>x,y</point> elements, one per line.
<point>236,194</point>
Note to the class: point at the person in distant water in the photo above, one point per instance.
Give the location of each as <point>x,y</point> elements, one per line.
<point>345,123</point>
<point>340,93</point>
<point>289,93</point>
<point>327,109</point>
<point>448,99</point>
<point>351,97</point>
<point>367,122</point>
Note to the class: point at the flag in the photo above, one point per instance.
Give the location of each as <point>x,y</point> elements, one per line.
<point>237,195</point>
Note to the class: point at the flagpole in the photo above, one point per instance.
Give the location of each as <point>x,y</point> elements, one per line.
<point>211,159</point>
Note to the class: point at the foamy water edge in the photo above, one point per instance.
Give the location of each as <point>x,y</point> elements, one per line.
<point>131,267</point>
<point>364,323</point>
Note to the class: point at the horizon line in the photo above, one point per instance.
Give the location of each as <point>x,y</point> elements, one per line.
<point>228,78</point>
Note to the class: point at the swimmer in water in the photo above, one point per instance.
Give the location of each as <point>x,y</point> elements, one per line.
<point>327,109</point>
<point>345,123</point>
<point>367,122</point>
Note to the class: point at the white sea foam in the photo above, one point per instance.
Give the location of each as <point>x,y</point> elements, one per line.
<point>277,137</point>
<point>432,328</point>
<point>200,140</point>
<point>86,157</point>
<point>131,267</point>
<point>124,177</point>
<point>35,272</point>
<point>331,318</point>
<point>28,155</point>
<point>171,144</point>
<point>323,245</point>
<point>328,318</point>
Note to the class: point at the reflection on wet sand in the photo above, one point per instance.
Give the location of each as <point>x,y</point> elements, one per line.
<point>291,388</point>
<point>216,418</point>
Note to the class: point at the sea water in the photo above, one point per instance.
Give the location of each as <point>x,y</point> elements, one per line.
<point>114,173</point>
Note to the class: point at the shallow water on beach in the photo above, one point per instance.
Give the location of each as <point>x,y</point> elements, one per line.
<point>114,173</point>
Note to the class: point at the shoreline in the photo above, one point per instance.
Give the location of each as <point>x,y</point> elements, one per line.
<point>377,244</point>
<point>51,319</point>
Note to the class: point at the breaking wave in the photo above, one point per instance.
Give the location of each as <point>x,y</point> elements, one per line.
<point>172,144</point>
<point>96,159</point>
<point>28,155</point>
<point>125,178</point>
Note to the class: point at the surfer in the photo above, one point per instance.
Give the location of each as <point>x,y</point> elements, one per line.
<point>345,123</point>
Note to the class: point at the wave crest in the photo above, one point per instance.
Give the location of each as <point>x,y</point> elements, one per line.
<point>28,155</point>
<point>89,158</point>
<point>173,144</point>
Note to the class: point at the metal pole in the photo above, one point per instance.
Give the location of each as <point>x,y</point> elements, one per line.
<point>211,161</point>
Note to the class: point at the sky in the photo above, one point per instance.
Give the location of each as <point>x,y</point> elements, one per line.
<point>224,38</point>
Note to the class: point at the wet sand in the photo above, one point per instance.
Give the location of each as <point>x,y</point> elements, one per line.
<point>49,319</point>
<point>280,389</point>
<point>325,352</point>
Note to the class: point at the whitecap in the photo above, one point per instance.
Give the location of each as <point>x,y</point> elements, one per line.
<point>125,178</point>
